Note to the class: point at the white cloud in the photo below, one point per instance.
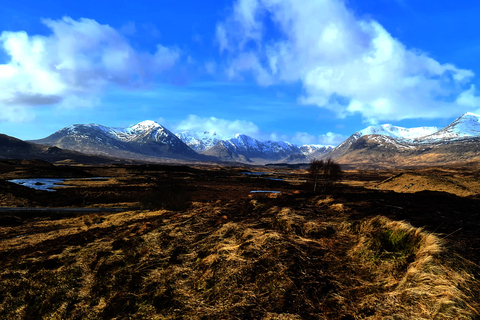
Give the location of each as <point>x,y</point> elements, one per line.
<point>229,128</point>
<point>226,128</point>
<point>331,138</point>
<point>16,114</point>
<point>345,63</point>
<point>469,99</point>
<point>72,64</point>
<point>304,138</point>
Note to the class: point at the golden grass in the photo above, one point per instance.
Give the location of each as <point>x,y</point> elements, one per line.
<point>414,182</point>
<point>425,281</point>
<point>230,260</point>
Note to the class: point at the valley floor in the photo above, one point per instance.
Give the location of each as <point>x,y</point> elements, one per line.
<point>195,243</point>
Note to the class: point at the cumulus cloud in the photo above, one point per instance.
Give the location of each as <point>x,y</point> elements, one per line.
<point>469,99</point>
<point>229,128</point>
<point>77,60</point>
<point>223,127</point>
<point>304,138</point>
<point>15,114</point>
<point>329,138</point>
<point>345,63</point>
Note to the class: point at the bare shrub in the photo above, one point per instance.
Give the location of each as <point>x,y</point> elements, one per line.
<point>323,174</point>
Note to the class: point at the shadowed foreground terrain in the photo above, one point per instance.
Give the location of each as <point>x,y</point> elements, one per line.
<point>194,243</point>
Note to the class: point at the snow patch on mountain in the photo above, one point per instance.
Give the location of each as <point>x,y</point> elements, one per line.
<point>397,132</point>
<point>252,148</point>
<point>141,130</point>
<point>308,149</point>
<point>245,143</point>
<point>200,141</point>
<point>465,126</point>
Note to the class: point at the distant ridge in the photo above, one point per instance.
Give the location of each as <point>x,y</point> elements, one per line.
<point>457,142</point>
<point>140,141</point>
<point>13,148</point>
<point>247,149</point>
<point>375,145</point>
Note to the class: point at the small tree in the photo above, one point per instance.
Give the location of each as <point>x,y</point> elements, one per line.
<point>324,173</point>
<point>314,171</point>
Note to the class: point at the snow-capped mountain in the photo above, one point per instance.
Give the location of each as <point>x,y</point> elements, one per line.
<point>144,139</point>
<point>386,144</point>
<point>309,149</point>
<point>242,147</point>
<point>465,126</point>
<point>149,139</point>
<point>200,141</point>
<point>396,132</point>
<point>244,143</point>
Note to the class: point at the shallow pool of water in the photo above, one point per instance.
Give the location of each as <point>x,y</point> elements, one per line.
<point>264,191</point>
<point>256,173</point>
<point>46,184</point>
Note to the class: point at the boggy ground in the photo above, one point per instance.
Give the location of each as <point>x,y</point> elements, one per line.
<point>195,244</point>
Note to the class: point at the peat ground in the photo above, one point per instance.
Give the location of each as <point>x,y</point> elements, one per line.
<point>194,243</point>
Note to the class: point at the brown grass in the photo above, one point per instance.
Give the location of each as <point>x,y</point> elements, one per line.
<point>231,256</point>
<point>425,281</point>
<point>201,263</point>
<point>410,182</point>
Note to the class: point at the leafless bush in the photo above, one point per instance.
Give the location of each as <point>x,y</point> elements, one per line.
<point>323,174</point>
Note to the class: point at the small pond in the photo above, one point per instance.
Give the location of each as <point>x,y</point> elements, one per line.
<point>48,184</point>
<point>264,191</point>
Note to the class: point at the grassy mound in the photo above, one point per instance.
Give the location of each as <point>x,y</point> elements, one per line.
<point>423,281</point>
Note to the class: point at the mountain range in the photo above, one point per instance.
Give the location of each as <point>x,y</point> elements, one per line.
<point>387,145</point>
<point>149,140</point>
<point>373,146</point>
<point>143,141</point>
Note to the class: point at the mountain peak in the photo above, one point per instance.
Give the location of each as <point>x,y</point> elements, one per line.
<point>397,132</point>
<point>469,114</point>
<point>200,141</point>
<point>145,125</point>
<point>467,125</point>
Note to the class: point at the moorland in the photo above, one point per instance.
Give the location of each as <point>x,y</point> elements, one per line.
<point>194,242</point>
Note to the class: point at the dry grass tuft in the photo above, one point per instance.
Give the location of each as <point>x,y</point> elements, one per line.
<point>422,280</point>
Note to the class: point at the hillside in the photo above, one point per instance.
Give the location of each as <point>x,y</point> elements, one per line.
<point>13,148</point>
<point>384,146</point>
<point>143,141</point>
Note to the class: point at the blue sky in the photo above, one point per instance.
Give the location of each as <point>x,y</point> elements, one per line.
<point>310,71</point>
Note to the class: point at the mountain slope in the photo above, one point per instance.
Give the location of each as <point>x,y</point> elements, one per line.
<point>309,149</point>
<point>145,139</point>
<point>457,142</point>
<point>397,132</point>
<point>13,148</point>
<point>465,126</point>
<point>200,141</point>
<point>244,147</point>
